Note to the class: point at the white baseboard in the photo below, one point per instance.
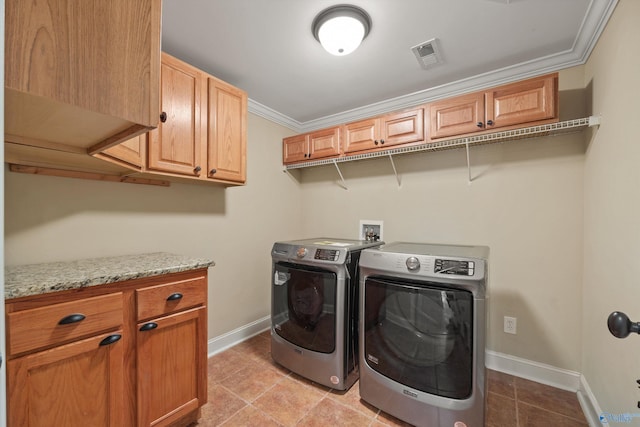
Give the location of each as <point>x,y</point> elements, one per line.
<point>225,341</point>
<point>534,371</point>
<point>589,404</point>
<point>550,375</point>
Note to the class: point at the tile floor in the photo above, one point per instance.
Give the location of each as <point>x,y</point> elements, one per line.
<point>246,388</point>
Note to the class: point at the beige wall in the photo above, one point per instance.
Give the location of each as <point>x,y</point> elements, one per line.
<point>51,219</point>
<point>525,203</point>
<point>612,214</point>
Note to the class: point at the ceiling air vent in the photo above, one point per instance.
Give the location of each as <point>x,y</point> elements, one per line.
<point>427,53</point>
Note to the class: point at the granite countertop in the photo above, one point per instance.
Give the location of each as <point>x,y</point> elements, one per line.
<point>36,279</point>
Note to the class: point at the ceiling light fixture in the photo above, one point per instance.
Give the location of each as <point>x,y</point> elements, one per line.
<point>340,29</point>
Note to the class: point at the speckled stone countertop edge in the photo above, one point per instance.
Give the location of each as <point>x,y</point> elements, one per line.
<point>37,279</point>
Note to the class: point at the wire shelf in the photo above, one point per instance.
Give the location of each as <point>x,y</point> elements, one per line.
<point>557,128</point>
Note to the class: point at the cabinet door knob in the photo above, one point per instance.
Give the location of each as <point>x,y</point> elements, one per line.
<point>376,142</point>
<point>72,318</point>
<point>110,339</point>
<point>148,326</point>
<point>489,122</point>
<point>213,171</point>
<point>163,117</point>
<point>479,124</point>
<point>382,141</point>
<point>197,170</point>
<point>174,297</point>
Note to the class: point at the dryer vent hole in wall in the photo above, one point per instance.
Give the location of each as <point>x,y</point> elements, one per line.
<point>510,325</point>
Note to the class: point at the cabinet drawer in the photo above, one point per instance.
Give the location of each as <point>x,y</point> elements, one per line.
<point>59,323</point>
<point>170,297</point>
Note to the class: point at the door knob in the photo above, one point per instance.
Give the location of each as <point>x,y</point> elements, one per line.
<point>620,326</point>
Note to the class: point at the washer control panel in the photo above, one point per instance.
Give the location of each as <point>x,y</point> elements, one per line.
<point>413,263</point>
<point>327,254</point>
<point>452,266</point>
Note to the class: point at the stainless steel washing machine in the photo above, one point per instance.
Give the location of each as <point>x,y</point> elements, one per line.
<point>422,332</point>
<point>314,308</point>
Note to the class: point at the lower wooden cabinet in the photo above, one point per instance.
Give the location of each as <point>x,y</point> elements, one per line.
<point>171,387</point>
<point>132,353</point>
<point>77,384</point>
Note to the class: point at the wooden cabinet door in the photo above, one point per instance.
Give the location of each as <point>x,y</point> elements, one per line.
<point>78,384</point>
<point>130,152</point>
<point>362,135</point>
<point>295,149</point>
<point>81,72</point>
<point>172,367</point>
<point>402,128</point>
<point>456,116</point>
<point>175,145</point>
<point>227,132</point>
<point>324,143</point>
<point>518,103</point>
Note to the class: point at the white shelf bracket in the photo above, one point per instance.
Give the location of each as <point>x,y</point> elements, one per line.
<point>344,184</point>
<point>594,121</point>
<point>285,170</point>
<point>468,163</point>
<point>395,171</point>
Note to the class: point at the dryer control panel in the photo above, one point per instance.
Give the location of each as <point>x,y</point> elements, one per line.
<point>452,266</point>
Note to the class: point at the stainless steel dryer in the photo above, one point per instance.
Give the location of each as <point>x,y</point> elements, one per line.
<point>422,332</point>
<point>314,308</point>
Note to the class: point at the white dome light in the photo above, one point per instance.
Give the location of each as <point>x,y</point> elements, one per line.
<point>341,29</point>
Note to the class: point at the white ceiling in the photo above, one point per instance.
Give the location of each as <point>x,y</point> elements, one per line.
<point>266,48</point>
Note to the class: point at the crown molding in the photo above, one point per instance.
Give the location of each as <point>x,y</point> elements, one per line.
<point>274,116</point>
<point>595,20</point>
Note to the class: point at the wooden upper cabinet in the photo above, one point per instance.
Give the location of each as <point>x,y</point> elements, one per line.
<point>202,132</point>
<point>131,152</point>
<point>463,114</point>
<point>402,128</point>
<point>295,149</point>
<point>324,143</point>
<point>227,132</point>
<point>361,135</point>
<point>522,103</point>
<point>385,131</point>
<point>81,73</point>
<point>315,145</point>
<point>175,147</point>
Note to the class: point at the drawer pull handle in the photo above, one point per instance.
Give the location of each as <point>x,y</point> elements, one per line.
<point>110,339</point>
<point>148,326</point>
<point>174,297</point>
<point>72,318</point>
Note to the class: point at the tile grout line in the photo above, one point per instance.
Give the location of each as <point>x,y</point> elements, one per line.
<point>553,412</point>
<point>515,396</point>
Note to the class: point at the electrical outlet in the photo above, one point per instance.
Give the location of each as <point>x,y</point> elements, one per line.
<point>510,325</point>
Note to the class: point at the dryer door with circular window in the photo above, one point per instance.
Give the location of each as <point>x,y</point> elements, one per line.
<point>420,334</point>
<point>304,306</point>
